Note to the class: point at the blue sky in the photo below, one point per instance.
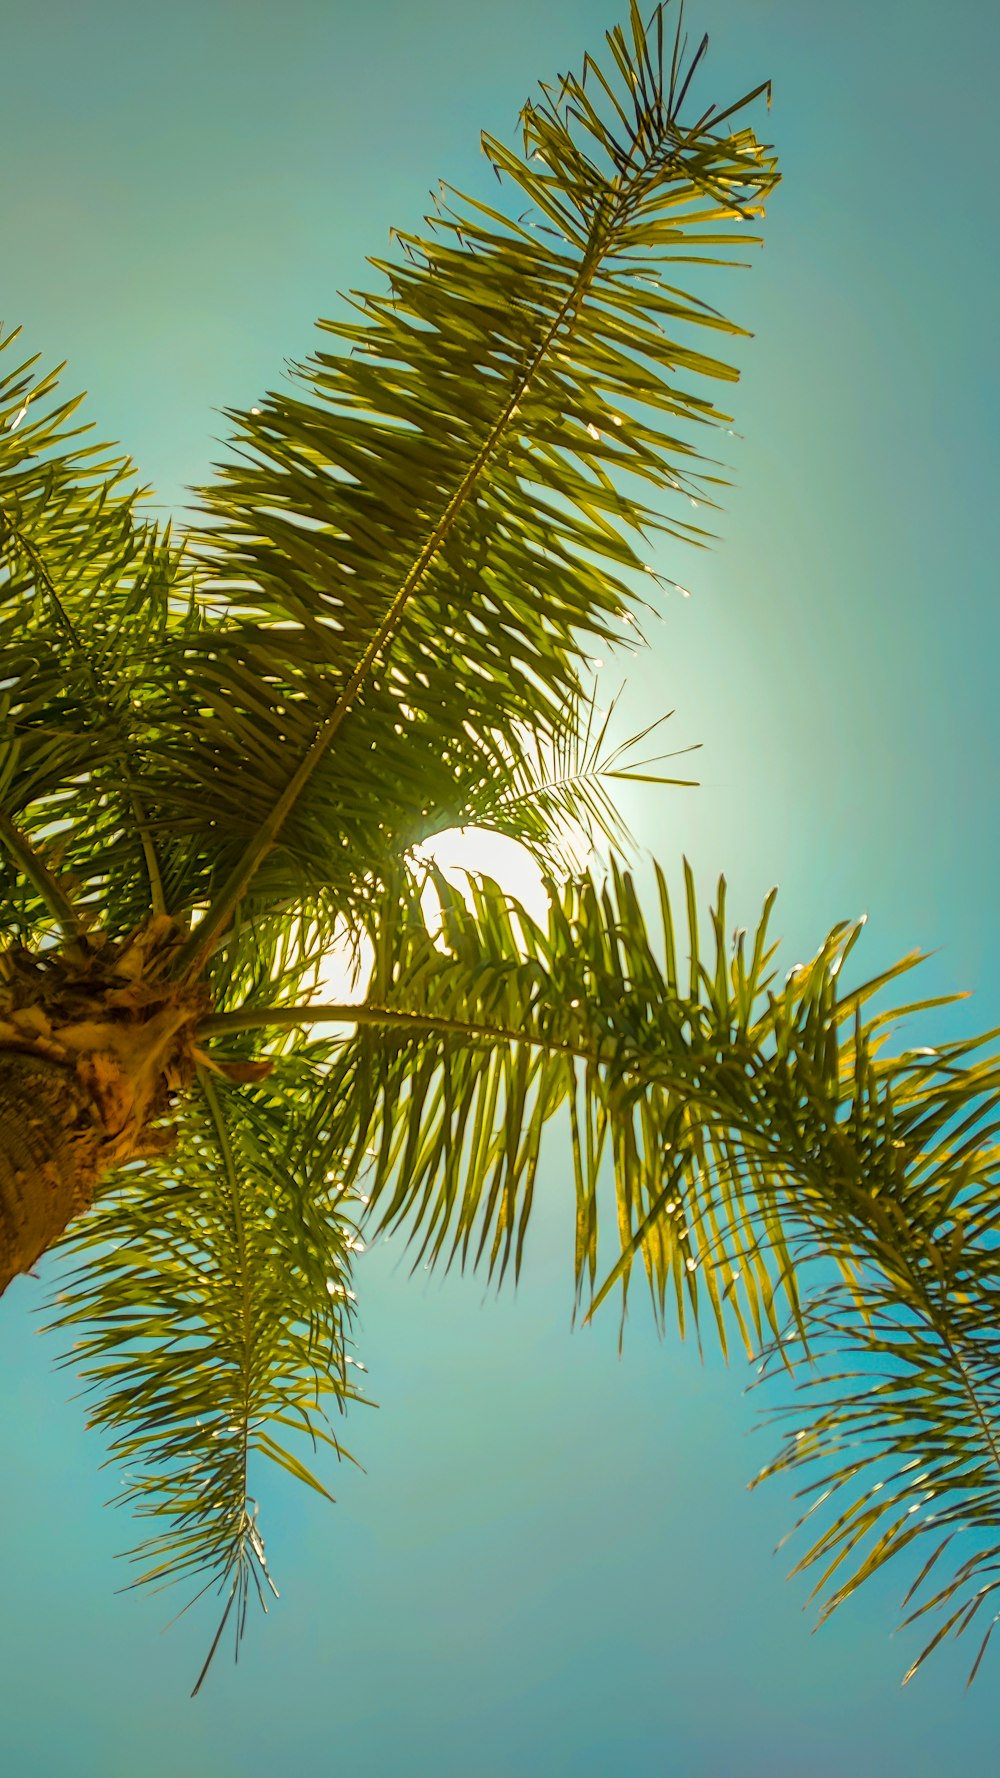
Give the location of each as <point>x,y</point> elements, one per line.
<point>551,1563</point>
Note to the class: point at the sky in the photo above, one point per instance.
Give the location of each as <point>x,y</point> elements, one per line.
<point>550,1563</point>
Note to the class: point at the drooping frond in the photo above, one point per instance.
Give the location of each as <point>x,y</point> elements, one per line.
<point>717,1098</point>
<point>896,1430</point>
<point>210,1307</point>
<point>896,1427</point>
<point>757,1137</point>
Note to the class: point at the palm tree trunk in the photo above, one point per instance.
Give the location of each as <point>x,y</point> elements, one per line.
<point>49,1156</point>
<point>93,1045</point>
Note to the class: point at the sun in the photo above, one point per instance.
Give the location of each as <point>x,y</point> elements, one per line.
<point>461,852</point>
<point>458,853</point>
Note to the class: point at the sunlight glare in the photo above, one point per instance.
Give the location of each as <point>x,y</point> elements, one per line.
<point>458,853</point>
<point>343,978</point>
<point>461,852</point>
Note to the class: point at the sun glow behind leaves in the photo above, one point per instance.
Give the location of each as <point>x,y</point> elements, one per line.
<point>458,853</point>
<point>461,852</point>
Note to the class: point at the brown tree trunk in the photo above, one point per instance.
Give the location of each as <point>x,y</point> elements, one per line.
<point>93,1045</point>
<point>49,1161</point>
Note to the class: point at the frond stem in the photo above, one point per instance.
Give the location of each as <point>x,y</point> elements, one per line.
<point>940,1326</point>
<point>40,877</point>
<point>215,1111</point>
<point>255,1018</point>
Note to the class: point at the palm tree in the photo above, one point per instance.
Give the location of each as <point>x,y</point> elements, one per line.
<point>219,757</point>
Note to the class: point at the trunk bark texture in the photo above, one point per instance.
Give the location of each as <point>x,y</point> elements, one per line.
<point>48,1156</point>
<point>93,1045</point>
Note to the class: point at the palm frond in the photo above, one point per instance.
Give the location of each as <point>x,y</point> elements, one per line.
<point>560,796</point>
<point>210,1311</point>
<point>898,1412</point>
<point>84,601</point>
<point>758,1138</point>
<point>383,616</point>
<point>406,557</point>
<point>717,1099</point>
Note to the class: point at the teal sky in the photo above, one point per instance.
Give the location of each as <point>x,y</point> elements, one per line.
<point>551,1565</point>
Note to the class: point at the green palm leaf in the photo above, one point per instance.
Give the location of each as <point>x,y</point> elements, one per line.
<point>409,555</point>
<point>717,1096</point>
<point>210,1307</point>
<point>899,1408</point>
<point>757,1138</point>
<point>84,602</point>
